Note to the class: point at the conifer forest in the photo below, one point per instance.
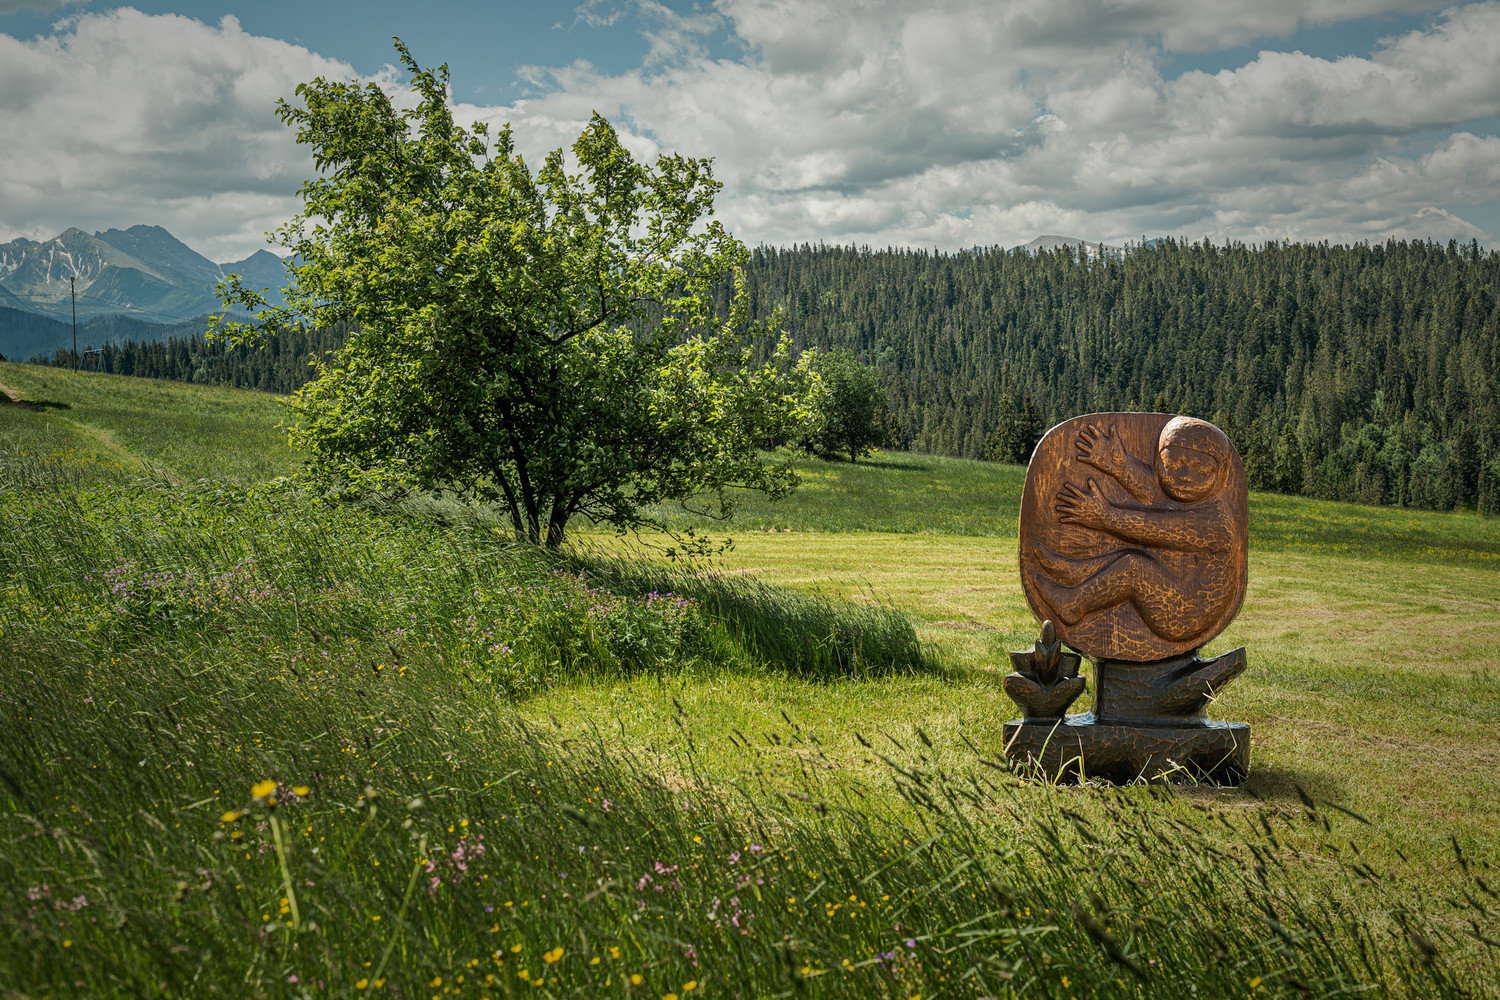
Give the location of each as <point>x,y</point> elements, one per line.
<point>1364,373</point>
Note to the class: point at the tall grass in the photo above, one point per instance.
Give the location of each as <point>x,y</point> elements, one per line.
<point>132,564</point>
<point>221,828</point>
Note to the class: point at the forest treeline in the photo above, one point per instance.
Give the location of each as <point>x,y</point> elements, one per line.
<point>1364,373</point>
<point>282,365</point>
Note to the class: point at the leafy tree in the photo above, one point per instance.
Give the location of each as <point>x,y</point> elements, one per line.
<point>547,340</point>
<point>852,404</point>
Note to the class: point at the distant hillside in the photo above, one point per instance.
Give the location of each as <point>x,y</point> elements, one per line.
<point>143,271</point>
<point>180,352</point>
<point>25,334</point>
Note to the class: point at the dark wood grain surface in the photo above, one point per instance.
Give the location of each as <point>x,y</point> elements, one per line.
<point>1134,534</point>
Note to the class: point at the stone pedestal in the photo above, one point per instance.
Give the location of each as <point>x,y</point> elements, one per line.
<point>1150,721</point>
<point>1080,746</point>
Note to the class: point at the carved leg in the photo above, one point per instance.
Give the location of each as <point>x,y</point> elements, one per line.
<point>1070,572</point>
<point>1128,578</point>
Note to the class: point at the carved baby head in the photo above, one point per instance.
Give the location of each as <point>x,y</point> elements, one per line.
<point>1192,458</point>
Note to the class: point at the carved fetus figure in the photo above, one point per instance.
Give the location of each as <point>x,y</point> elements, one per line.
<point>1176,559</point>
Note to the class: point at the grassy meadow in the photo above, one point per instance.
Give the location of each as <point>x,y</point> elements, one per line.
<point>255,743</point>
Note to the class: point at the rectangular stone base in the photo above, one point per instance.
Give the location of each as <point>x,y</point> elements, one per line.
<point>1216,752</point>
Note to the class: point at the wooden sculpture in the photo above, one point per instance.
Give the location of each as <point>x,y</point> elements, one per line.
<point>1134,547</point>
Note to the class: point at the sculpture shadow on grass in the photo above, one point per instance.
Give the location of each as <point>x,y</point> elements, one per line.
<point>1287,785</point>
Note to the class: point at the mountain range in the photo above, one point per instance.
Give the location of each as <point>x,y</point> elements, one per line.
<point>1085,247</point>
<point>144,272</point>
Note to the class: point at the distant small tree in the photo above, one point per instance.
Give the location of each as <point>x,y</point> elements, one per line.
<point>1289,460</point>
<point>997,447</point>
<point>1017,430</point>
<point>1489,487</point>
<point>548,341</point>
<point>1259,459</point>
<point>1028,429</point>
<point>852,403</point>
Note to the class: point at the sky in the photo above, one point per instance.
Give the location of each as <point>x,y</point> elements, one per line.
<point>867,122</point>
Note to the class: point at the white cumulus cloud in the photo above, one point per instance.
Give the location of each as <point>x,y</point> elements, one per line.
<point>121,118</point>
<point>884,121</point>
<point>871,121</point>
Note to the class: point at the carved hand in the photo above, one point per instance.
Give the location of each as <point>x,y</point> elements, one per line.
<point>1074,506</point>
<point>1099,449</point>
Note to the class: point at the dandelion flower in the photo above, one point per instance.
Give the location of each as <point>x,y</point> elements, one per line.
<point>261,789</point>
<point>553,955</point>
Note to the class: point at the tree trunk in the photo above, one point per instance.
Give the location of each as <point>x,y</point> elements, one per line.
<point>555,527</point>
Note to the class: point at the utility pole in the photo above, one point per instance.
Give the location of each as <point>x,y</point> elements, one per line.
<point>73,284</point>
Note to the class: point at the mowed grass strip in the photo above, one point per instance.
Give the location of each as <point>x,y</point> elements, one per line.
<point>1376,683</point>
<point>898,493</point>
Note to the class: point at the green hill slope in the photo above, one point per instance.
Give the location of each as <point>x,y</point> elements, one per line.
<point>207,432</point>
<point>184,431</point>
